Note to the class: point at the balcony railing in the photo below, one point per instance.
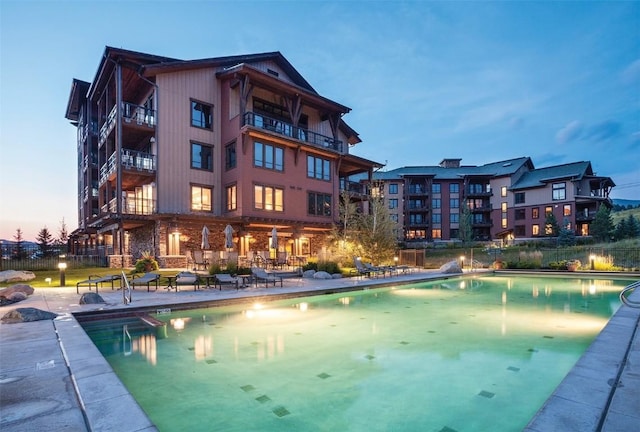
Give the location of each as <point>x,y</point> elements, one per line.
<point>290,131</point>
<point>131,160</point>
<point>133,206</point>
<point>354,187</point>
<point>131,113</point>
<point>476,192</point>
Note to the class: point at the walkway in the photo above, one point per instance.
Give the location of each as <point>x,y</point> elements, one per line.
<point>52,377</point>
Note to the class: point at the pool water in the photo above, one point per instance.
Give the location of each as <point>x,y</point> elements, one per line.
<point>452,355</point>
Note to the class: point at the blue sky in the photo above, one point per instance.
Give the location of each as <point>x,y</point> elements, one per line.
<point>481,81</point>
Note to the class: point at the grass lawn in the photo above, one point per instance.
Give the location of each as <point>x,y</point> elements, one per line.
<point>73,276</point>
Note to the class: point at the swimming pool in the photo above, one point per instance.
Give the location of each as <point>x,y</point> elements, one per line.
<point>455,355</point>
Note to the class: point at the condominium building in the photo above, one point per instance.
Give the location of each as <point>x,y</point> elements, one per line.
<point>172,151</point>
<point>507,200</point>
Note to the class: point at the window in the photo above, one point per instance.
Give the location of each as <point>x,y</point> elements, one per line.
<point>416,204</point>
<point>535,213</point>
<point>454,218</point>
<point>566,211</point>
<point>548,210</point>
<point>519,231</point>
<point>416,188</point>
<point>454,188</point>
<point>503,191</point>
<point>436,218</point>
<point>535,229</point>
<point>519,198</point>
<point>436,233</point>
<point>201,115</point>
<point>454,233</point>
<point>454,203</point>
<point>559,191</point>
<point>268,156</point>
<point>231,198</point>
<point>393,188</point>
<point>435,203</point>
<point>416,219</point>
<point>435,188</point>
<point>393,203</point>
<point>520,214</point>
<point>201,156</point>
<point>268,198</point>
<point>201,198</point>
<point>319,204</point>
<point>394,217</point>
<point>318,168</point>
<point>503,222</point>
<point>503,211</point>
<point>416,234</point>
<point>230,160</point>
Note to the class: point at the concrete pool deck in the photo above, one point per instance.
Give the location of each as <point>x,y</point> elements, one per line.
<point>52,377</point>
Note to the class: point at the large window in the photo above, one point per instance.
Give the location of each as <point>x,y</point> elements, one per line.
<point>436,233</point>
<point>535,230</point>
<point>268,198</point>
<point>520,214</point>
<point>393,188</point>
<point>319,204</point>
<point>416,219</point>
<point>535,213</point>
<point>231,198</point>
<point>519,198</point>
<point>268,156</point>
<point>416,234</point>
<point>503,191</point>
<point>435,188</point>
<point>454,203</point>
<point>393,203</point>
<point>436,203</point>
<point>454,218</point>
<point>201,198</point>
<point>454,188</point>
<point>201,156</point>
<point>436,218</point>
<point>230,158</point>
<point>559,191</point>
<point>201,115</point>
<point>318,168</point>
<point>566,210</point>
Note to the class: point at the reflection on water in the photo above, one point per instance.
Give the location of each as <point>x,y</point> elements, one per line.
<point>365,357</point>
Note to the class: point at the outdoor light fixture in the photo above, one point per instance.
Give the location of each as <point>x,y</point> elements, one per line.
<point>462,262</point>
<point>62,267</point>
<point>592,258</point>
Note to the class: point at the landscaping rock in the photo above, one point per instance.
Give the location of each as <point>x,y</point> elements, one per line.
<point>27,315</point>
<point>322,275</point>
<point>308,274</point>
<point>16,276</point>
<point>451,267</point>
<point>91,298</point>
<point>336,276</point>
<point>17,296</point>
<point>26,289</point>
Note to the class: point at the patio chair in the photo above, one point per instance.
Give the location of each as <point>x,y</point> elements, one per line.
<point>184,278</point>
<point>226,279</point>
<point>260,275</point>
<point>199,260</point>
<point>96,279</point>
<point>378,269</point>
<point>145,279</point>
<point>362,270</point>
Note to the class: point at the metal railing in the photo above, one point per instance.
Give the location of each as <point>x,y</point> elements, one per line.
<point>132,206</point>
<point>131,113</point>
<point>624,299</point>
<point>283,128</point>
<point>130,159</point>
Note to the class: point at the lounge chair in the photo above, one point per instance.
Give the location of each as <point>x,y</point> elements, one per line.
<point>200,261</point>
<point>226,279</point>
<point>98,280</point>
<point>260,275</point>
<point>380,269</point>
<point>183,278</point>
<point>362,270</point>
<point>145,279</point>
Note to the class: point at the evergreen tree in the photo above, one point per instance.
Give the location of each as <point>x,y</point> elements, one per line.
<point>20,253</point>
<point>566,236</point>
<point>465,229</point>
<point>602,226</point>
<point>63,234</point>
<point>551,226</point>
<point>620,233</point>
<point>44,240</point>
<point>633,227</point>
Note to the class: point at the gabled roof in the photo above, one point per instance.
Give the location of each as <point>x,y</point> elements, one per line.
<point>78,94</point>
<point>494,169</point>
<point>538,177</point>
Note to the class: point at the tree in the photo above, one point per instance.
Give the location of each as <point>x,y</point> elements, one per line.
<point>621,231</point>
<point>20,253</point>
<point>551,226</point>
<point>343,238</point>
<point>566,236</point>
<point>465,229</point>
<point>602,226</point>
<point>376,232</point>
<point>63,234</point>
<point>44,240</point>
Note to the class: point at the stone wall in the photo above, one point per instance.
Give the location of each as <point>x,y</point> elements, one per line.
<point>172,261</point>
<point>120,261</point>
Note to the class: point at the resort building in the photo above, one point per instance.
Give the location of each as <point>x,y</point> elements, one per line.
<point>171,153</point>
<point>507,200</point>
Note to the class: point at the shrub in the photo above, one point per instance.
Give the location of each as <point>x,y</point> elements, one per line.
<point>329,267</point>
<point>146,263</point>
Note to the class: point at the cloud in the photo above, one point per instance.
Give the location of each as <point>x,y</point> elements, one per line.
<point>604,131</point>
<point>631,74</point>
<point>571,132</point>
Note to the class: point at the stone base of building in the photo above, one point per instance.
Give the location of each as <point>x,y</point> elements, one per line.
<point>120,261</point>
<point>172,261</point>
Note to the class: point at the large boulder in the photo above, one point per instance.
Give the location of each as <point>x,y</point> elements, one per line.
<point>91,298</point>
<point>27,315</point>
<point>16,276</point>
<point>451,267</point>
<point>308,274</point>
<point>321,275</point>
<point>14,294</point>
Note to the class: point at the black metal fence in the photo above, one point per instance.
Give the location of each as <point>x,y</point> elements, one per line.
<point>51,262</point>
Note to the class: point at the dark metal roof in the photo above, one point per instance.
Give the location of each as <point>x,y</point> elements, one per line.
<point>494,169</point>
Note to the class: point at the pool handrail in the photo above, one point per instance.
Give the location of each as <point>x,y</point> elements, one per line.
<point>126,289</point>
<point>625,300</point>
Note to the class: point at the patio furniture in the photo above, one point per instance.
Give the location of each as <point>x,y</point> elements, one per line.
<point>145,279</point>
<point>183,278</point>
<point>200,262</point>
<point>261,275</point>
<point>226,279</point>
<point>98,280</point>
